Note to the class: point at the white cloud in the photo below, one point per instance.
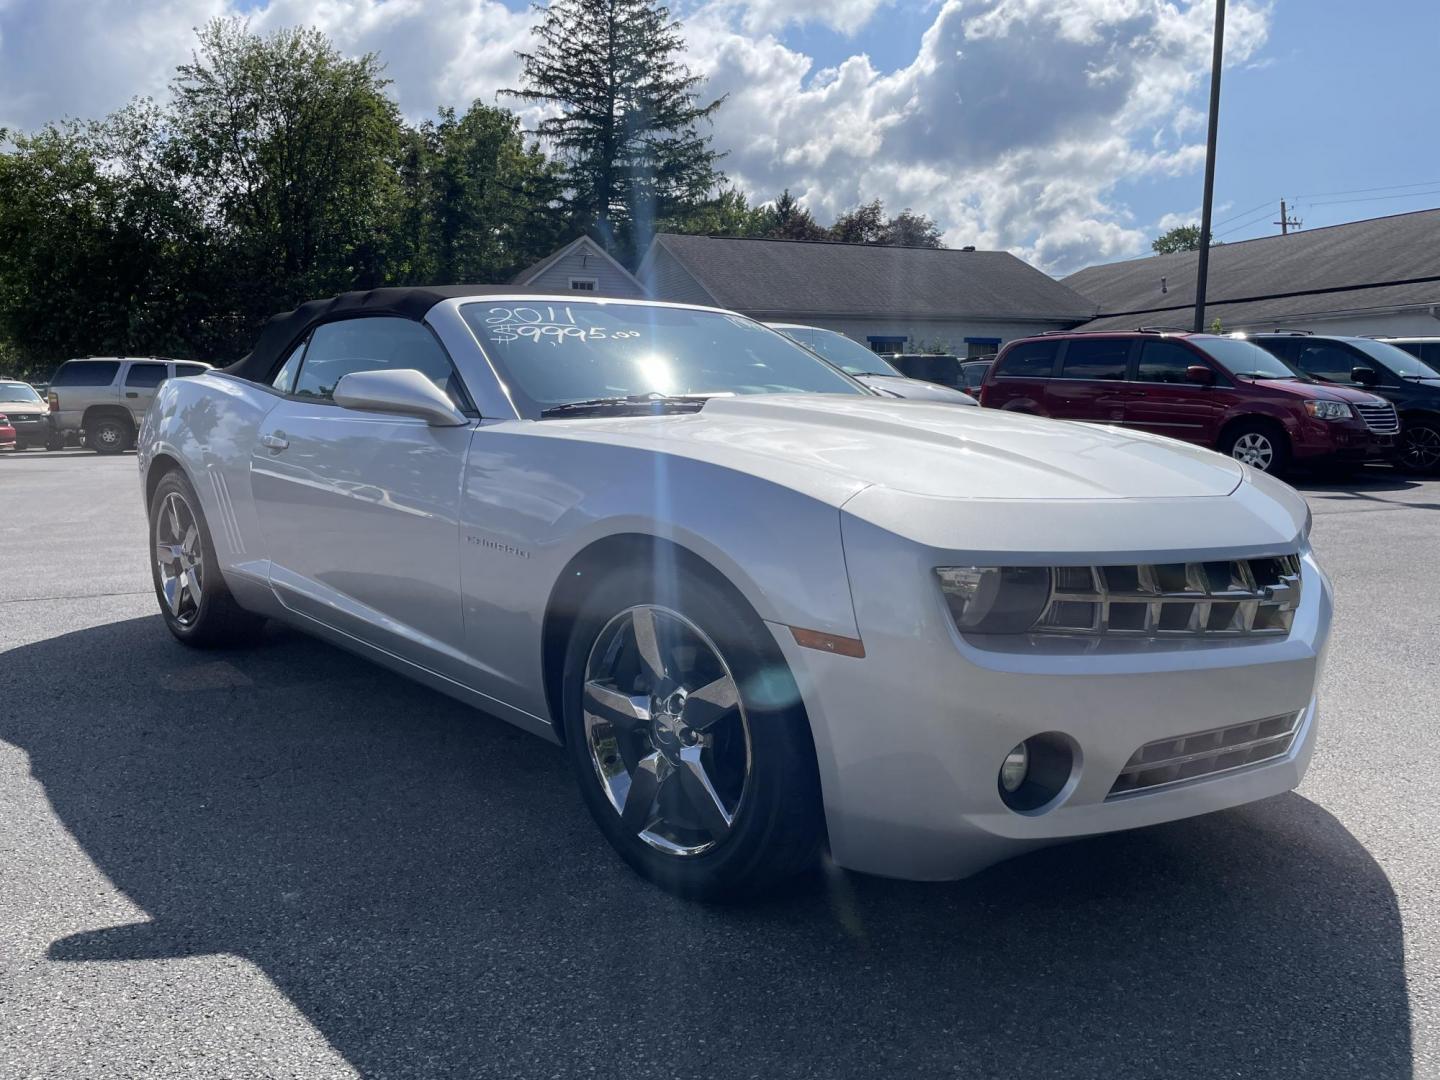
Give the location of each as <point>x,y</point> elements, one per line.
<point>1012,127</point>
<point>759,16</point>
<point>82,58</point>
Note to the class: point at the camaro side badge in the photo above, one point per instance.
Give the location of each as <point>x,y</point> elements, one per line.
<point>496,545</point>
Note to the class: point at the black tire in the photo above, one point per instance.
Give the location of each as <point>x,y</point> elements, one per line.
<point>55,442</point>
<point>778,827</point>
<point>109,435</point>
<point>1252,441</point>
<point>1419,447</point>
<point>217,621</point>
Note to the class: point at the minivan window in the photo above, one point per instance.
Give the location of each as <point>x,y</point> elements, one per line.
<point>86,373</point>
<point>1328,361</point>
<point>1241,357</point>
<point>185,371</point>
<point>1397,360</point>
<point>1029,360</point>
<point>146,375</point>
<point>1164,362</point>
<point>1103,358</point>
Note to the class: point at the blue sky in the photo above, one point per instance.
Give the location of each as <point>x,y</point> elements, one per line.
<point>1068,131</point>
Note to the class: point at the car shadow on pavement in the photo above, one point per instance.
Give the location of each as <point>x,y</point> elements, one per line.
<point>424,885</point>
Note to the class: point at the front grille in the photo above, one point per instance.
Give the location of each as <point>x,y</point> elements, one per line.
<point>1380,418</point>
<point>1206,754</point>
<point>1239,598</point>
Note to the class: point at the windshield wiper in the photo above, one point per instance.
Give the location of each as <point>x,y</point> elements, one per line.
<point>633,402</point>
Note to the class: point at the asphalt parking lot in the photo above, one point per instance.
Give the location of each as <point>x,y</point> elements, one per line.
<point>288,862</point>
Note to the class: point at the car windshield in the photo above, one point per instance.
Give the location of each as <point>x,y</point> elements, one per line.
<point>849,356</point>
<point>18,393</point>
<point>552,354</point>
<point>1245,358</point>
<point>1396,359</point>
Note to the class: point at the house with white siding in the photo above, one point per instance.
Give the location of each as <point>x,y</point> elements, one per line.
<point>581,266</point>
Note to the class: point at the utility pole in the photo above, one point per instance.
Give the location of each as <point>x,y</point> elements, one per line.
<point>1285,221</point>
<point>1202,271</point>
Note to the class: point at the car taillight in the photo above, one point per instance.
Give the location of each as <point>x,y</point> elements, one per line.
<point>54,400</point>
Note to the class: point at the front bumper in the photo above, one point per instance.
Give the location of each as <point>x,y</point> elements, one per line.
<point>910,738</point>
<point>1342,441</point>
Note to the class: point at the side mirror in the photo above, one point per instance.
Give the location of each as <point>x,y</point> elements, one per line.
<point>1365,376</point>
<point>401,390</point>
<point>1200,373</point>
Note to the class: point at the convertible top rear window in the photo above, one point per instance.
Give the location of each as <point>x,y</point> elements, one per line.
<point>550,354</point>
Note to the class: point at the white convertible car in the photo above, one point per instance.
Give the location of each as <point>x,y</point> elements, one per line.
<point>763,608</point>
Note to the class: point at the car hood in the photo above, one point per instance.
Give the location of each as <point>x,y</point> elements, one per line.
<point>23,408</point>
<point>901,386</point>
<point>1321,391</point>
<point>834,446</point>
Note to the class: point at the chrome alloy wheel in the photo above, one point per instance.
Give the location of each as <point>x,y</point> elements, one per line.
<point>179,556</point>
<point>1420,449</point>
<point>666,730</point>
<point>1255,450</point>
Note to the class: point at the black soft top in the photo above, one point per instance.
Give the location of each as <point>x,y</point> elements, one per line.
<point>284,331</point>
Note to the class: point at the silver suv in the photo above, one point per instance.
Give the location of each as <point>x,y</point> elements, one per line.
<point>102,398</point>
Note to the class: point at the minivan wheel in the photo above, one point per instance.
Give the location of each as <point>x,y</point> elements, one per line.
<point>688,738</point>
<point>1261,446</point>
<point>108,435</point>
<point>1420,446</point>
<point>196,605</point>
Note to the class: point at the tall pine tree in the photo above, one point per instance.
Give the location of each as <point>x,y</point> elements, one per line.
<point>629,115</point>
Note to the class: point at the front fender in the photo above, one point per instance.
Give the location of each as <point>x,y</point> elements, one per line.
<point>532,504</point>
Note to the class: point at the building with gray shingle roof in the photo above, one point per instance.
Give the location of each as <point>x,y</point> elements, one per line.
<point>894,299</point>
<point>1380,276</point>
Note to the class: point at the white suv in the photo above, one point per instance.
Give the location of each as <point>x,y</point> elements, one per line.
<point>104,398</point>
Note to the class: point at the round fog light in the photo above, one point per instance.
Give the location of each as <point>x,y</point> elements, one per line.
<point>1014,769</point>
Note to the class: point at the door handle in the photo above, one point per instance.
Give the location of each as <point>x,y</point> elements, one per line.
<point>131,393</point>
<point>275,442</point>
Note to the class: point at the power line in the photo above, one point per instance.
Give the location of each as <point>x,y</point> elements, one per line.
<point>1243,213</point>
<point>1376,198</point>
<point>1364,190</point>
<point>1246,224</point>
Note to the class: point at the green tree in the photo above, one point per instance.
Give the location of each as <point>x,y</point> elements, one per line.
<point>1180,238</point>
<point>788,219</point>
<point>480,205</point>
<point>865,224</point>
<point>290,149</point>
<point>910,229</point>
<point>95,244</point>
<point>627,115</point>
<point>727,213</point>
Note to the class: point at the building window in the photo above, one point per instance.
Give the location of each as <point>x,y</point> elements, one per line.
<point>887,344</point>
<point>584,284</point>
<point>978,348</point>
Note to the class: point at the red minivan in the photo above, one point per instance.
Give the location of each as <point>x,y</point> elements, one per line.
<point>1221,392</point>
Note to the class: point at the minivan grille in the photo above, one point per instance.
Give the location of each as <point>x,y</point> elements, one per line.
<point>1240,598</point>
<point>1379,418</point>
<point>1206,754</point>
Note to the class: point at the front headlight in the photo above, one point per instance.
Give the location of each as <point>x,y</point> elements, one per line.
<point>995,599</point>
<point>1328,410</point>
